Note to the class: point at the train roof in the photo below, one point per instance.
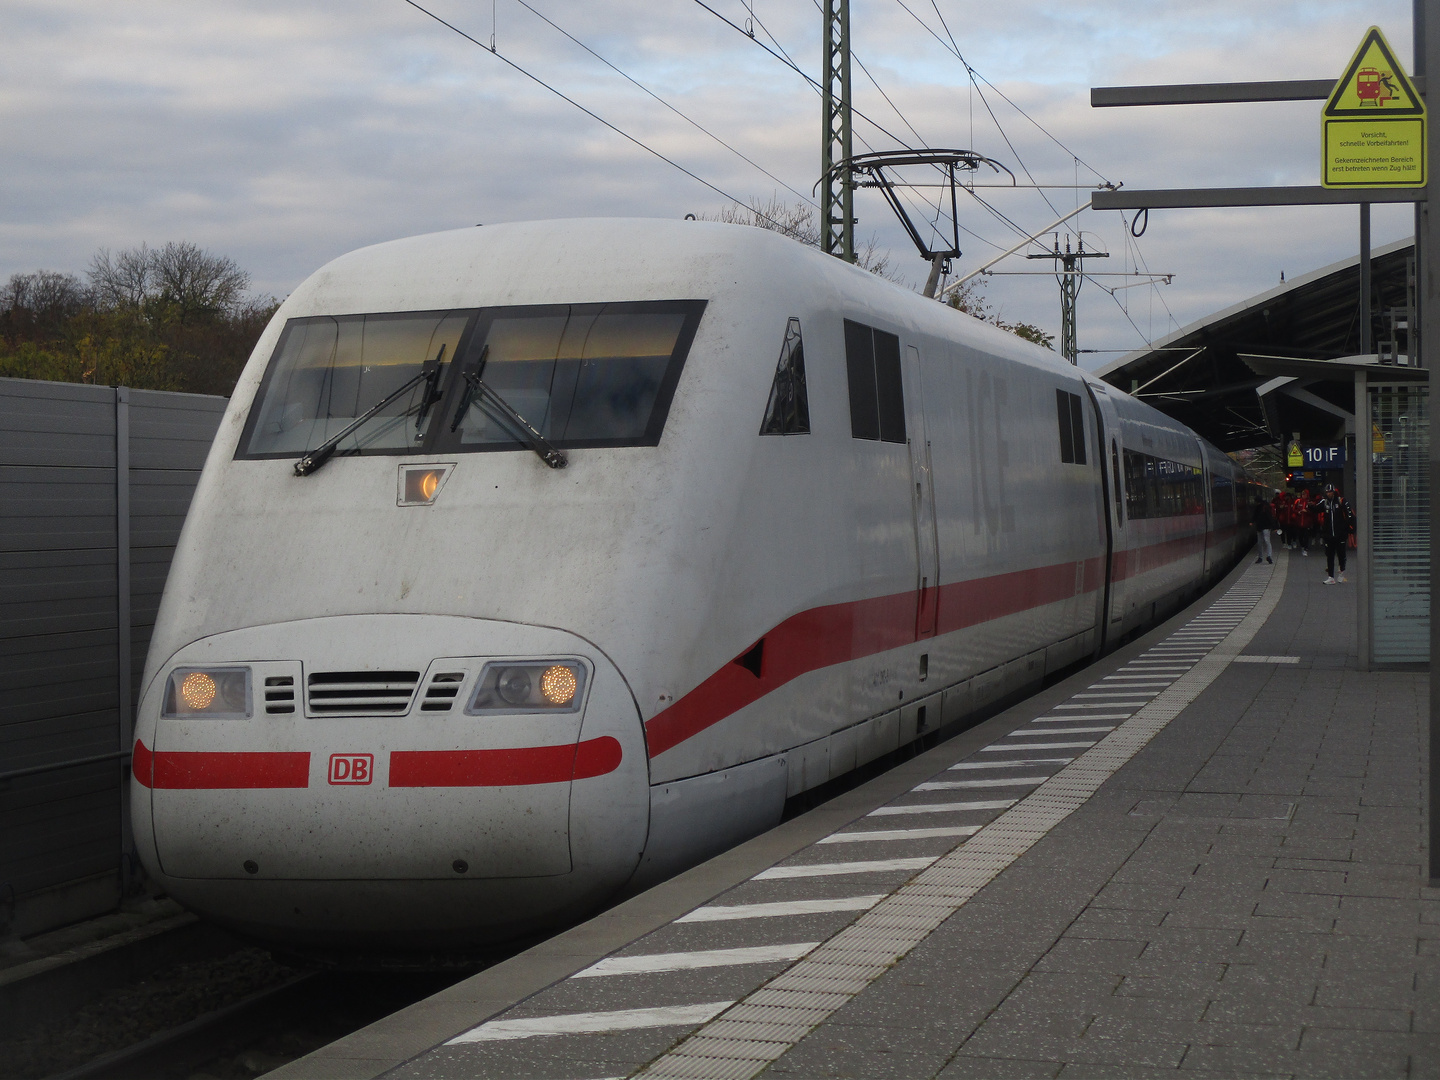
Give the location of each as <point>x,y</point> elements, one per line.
<point>598,260</point>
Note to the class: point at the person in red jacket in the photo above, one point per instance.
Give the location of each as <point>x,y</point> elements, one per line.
<point>1304,515</point>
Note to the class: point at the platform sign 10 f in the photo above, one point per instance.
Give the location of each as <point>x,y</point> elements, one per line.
<point>1373,124</point>
<point>1324,457</point>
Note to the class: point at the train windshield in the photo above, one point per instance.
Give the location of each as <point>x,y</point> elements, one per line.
<point>329,370</point>
<point>594,375</point>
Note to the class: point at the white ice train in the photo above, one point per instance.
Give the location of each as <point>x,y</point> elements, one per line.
<point>663,523</point>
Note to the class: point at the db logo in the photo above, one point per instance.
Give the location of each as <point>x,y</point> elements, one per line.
<point>351,768</point>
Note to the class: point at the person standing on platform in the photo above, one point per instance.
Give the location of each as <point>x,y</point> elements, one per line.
<point>1264,522</point>
<point>1304,514</point>
<point>1336,521</point>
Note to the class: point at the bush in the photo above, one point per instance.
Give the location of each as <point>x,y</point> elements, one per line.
<point>170,318</point>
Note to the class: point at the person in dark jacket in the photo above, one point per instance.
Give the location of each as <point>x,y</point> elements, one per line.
<point>1335,522</point>
<point>1264,522</point>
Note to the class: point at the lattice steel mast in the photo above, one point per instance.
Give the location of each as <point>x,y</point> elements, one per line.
<point>837,206</point>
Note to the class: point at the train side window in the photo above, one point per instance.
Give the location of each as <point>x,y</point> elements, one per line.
<point>1077,427</point>
<point>788,410</point>
<point>890,388</point>
<point>1067,438</point>
<point>1222,495</point>
<point>860,368</point>
<point>1119,485</point>
<point>1072,427</point>
<point>877,400</point>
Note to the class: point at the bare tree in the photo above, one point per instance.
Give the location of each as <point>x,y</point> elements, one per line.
<point>45,295</point>
<point>195,281</point>
<point>180,275</point>
<point>122,280</point>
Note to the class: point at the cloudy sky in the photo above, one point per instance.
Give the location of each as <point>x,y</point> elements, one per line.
<point>285,132</point>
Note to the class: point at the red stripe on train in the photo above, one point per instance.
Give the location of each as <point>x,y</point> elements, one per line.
<point>504,768</point>
<point>837,633</point>
<point>200,770</point>
<point>212,770</point>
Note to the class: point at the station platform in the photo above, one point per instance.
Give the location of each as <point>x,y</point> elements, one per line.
<point>1202,856</point>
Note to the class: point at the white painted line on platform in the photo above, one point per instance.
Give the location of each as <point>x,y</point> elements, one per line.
<point>1101,705</point>
<point>1016,763</point>
<point>899,834</point>
<point>693,961</point>
<point>1147,679</point>
<point>1042,732</point>
<point>1072,719</point>
<point>1266,659</point>
<point>943,807</point>
<point>1117,695</point>
<point>591,1022</point>
<point>876,866</point>
<point>998,748</point>
<point>958,785</point>
<point>732,912</point>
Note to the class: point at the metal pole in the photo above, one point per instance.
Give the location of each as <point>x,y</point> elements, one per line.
<point>837,207</point>
<point>1427,289</point>
<point>1367,345</point>
<point>1363,460</point>
<point>125,727</point>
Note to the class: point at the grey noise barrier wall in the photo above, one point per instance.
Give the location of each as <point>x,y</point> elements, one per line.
<point>94,485</point>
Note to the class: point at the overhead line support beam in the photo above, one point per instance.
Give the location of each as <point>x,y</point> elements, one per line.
<point>1108,97</point>
<point>1192,198</point>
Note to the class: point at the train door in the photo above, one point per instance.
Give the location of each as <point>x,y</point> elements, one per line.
<point>1107,499</point>
<point>922,500</point>
<point>1119,558</point>
<point>1112,459</point>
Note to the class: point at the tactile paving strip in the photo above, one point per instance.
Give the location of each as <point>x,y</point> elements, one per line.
<point>742,1041</point>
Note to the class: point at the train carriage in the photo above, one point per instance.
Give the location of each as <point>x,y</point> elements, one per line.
<point>657,525</point>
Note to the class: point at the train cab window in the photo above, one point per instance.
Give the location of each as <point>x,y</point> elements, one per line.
<point>328,370</point>
<point>591,375</point>
<point>788,410</point>
<point>1072,427</point>
<point>877,399</point>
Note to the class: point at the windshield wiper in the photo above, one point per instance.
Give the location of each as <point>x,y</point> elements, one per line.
<point>429,375</point>
<point>476,389</point>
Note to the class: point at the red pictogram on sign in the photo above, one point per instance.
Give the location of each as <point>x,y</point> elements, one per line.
<point>351,768</point>
<point>1374,87</point>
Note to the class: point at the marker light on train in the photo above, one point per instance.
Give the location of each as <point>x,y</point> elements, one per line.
<point>419,484</point>
<point>529,686</point>
<point>558,684</point>
<point>211,693</point>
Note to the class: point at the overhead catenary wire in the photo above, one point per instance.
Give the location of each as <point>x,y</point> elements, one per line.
<point>593,115</point>
<point>641,86</point>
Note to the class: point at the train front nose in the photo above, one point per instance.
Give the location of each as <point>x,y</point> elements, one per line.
<point>390,782</point>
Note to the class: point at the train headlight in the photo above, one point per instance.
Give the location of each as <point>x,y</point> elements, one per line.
<point>551,686</point>
<point>213,693</point>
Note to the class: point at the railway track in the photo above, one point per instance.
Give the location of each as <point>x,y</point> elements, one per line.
<point>178,1004</point>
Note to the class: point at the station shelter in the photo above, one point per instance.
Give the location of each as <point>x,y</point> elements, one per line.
<point>1285,369</point>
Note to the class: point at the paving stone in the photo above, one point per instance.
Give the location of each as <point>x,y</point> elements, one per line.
<point>970,1067</point>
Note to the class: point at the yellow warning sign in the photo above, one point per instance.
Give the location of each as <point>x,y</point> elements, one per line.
<point>1377,439</point>
<point>1373,125</point>
<point>1294,456</point>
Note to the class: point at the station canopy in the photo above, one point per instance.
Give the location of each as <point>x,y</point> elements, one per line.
<point>1283,363</point>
